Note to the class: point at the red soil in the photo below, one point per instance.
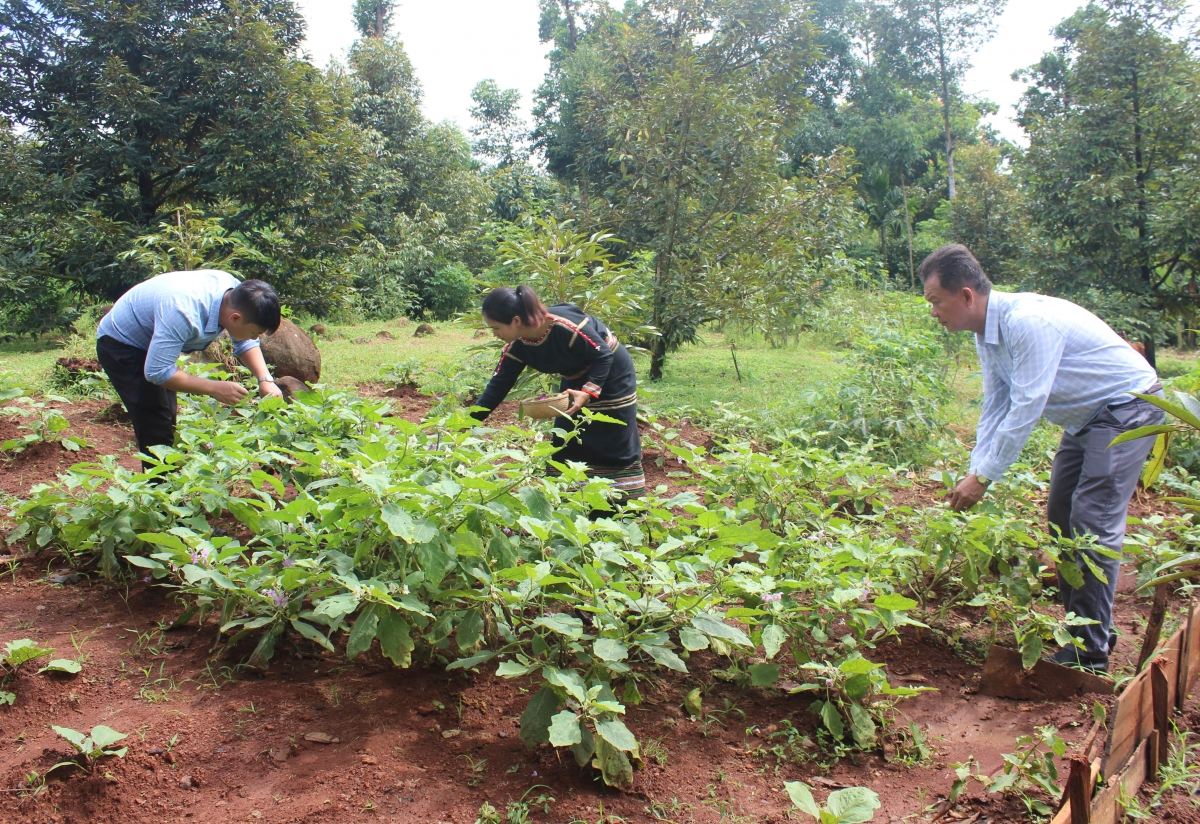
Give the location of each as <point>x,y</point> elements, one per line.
<point>407,739</point>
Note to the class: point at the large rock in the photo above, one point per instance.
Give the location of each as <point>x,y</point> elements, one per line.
<point>292,353</point>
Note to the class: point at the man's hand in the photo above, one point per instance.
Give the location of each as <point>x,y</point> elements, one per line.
<point>968,493</point>
<point>227,392</point>
<point>268,389</point>
<point>579,399</point>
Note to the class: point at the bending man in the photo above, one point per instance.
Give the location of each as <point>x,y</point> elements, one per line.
<point>144,333</point>
<point>1042,356</point>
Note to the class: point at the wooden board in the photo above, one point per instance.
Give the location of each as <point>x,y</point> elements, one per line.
<point>1106,807</point>
<point>1005,677</point>
<point>1192,650</point>
<point>1134,716</point>
<point>1064,812</point>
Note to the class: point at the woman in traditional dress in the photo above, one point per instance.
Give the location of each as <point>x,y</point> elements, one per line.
<point>597,372</point>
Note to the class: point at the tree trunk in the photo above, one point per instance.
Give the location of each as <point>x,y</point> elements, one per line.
<point>945,77</point>
<point>658,347</point>
<point>1143,240</point>
<point>912,270</point>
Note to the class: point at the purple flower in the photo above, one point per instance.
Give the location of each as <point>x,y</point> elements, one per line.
<point>828,683</point>
<point>201,556</point>
<point>772,596</point>
<point>278,597</point>
<point>146,579</point>
<point>288,562</point>
<point>534,773</point>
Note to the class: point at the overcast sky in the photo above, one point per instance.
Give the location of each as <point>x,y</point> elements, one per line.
<point>456,43</point>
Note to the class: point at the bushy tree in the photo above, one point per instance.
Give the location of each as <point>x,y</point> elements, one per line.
<point>1111,167</point>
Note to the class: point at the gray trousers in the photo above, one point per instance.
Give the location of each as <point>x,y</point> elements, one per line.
<point>1090,488</point>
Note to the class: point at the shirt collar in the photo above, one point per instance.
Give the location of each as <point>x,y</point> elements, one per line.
<point>213,323</point>
<point>991,324</point>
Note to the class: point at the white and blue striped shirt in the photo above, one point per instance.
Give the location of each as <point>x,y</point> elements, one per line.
<point>1046,356</point>
<point>169,314</point>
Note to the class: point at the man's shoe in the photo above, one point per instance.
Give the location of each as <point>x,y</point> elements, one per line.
<point>1076,659</point>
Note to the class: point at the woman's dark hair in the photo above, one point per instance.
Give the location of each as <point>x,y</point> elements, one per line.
<point>505,303</point>
<point>955,267</point>
<point>257,302</point>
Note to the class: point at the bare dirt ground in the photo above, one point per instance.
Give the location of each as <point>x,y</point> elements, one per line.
<point>318,738</point>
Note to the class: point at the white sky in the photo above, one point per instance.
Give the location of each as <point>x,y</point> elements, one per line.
<point>456,43</point>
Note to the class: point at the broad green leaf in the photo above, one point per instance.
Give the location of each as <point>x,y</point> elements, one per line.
<point>62,665</point>
<point>802,798</point>
<point>862,726</point>
<point>514,669</point>
<point>609,649</point>
<point>664,657</point>
<point>363,631</point>
<point>567,680</point>
<point>469,632</point>
<point>857,666</point>
<point>563,624</point>
<point>564,729</point>
<point>773,639</point>
<point>692,639</point>
<point>473,661</point>
<point>18,652</point>
<point>693,702</point>
<point>1031,649</point>
<point>853,805</point>
<point>614,765</point>
<point>714,627</point>
<point>104,737</point>
<point>535,721</point>
<point>763,675</point>
<point>74,736</point>
<point>833,719</point>
<point>585,749</point>
<point>616,733</point>
<point>399,522</point>
<point>894,602</point>
<point>311,633</point>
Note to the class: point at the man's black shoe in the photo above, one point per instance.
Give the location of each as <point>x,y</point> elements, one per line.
<point>1075,658</point>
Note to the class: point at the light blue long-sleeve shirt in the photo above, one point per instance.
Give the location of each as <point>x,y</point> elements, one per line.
<point>170,314</point>
<point>1046,356</point>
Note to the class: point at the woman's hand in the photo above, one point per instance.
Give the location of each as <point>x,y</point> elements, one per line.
<point>579,399</point>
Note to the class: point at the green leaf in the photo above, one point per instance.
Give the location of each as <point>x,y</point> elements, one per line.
<point>714,627</point>
<point>562,623</point>
<point>692,639</point>
<point>363,632</point>
<point>311,633</point>
<point>616,733</point>
<point>853,805</point>
<point>1031,649</point>
<point>62,665</point>
<point>609,649</point>
<point>568,681</point>
<point>9,698</point>
<point>473,661</point>
<point>664,657</point>
<point>399,522</point>
<point>862,726</point>
<point>894,602</point>
<point>74,736</point>
<point>1171,408</point>
<point>585,749</point>
<point>104,737</point>
<point>693,702</point>
<point>802,798</point>
<point>773,639</point>
<point>1144,432</point>
<point>19,652</point>
<point>469,632</point>
<point>832,719</point>
<point>763,675</point>
<point>514,669</point>
<point>395,637</point>
<point>614,765</point>
<point>535,721</point>
<point>564,729</point>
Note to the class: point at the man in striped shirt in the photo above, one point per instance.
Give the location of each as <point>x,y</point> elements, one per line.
<point>1046,357</point>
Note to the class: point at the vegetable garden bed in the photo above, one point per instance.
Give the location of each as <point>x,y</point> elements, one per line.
<point>311,735</point>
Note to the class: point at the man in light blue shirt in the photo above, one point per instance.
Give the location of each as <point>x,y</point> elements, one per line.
<point>142,336</point>
<point>1046,357</point>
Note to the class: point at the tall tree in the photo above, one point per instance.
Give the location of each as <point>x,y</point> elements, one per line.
<point>1111,118</point>
<point>146,105</point>
<point>499,131</point>
<point>938,37</point>
<point>676,112</point>
<point>373,18</point>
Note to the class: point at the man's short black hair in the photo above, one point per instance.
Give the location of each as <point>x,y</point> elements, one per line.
<point>257,302</point>
<point>955,267</point>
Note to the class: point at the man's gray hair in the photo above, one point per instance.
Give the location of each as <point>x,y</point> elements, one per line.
<point>955,267</point>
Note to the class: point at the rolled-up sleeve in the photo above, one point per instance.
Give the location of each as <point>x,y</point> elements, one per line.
<point>241,347</point>
<point>1036,348</point>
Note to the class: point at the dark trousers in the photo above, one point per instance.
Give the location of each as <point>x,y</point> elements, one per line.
<point>151,407</point>
<point>1090,488</point>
